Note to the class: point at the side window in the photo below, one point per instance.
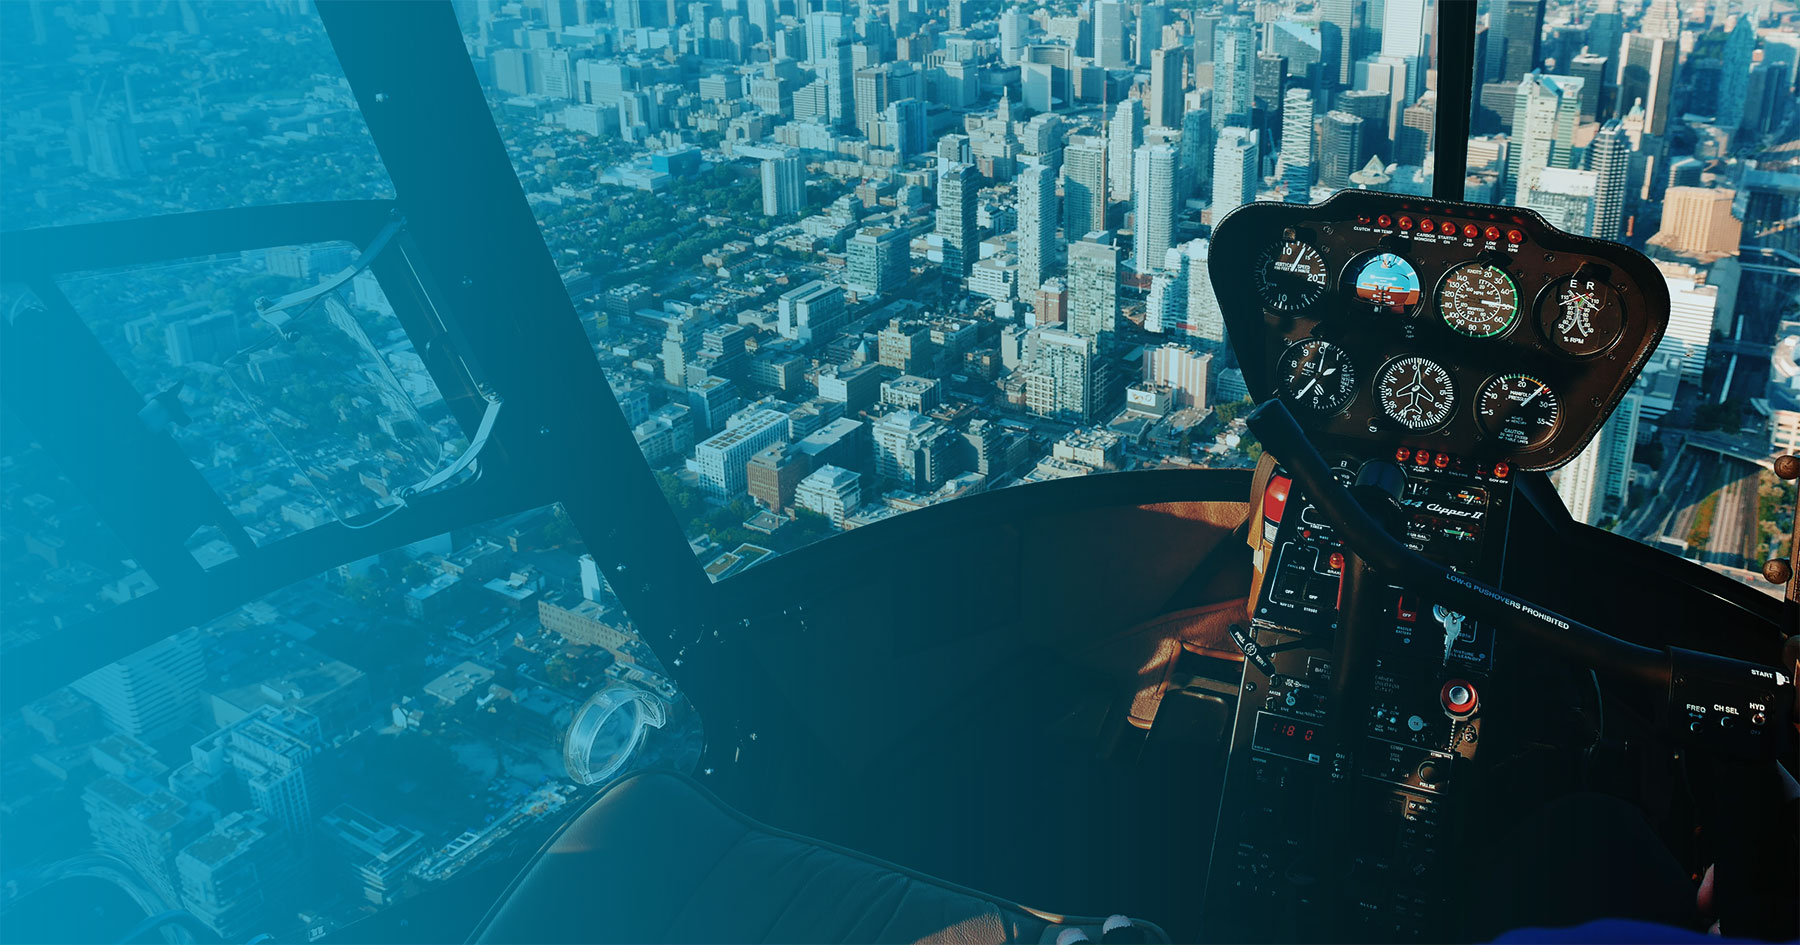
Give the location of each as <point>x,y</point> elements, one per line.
<point>336,747</point>
<point>1660,129</point>
<point>840,267</point>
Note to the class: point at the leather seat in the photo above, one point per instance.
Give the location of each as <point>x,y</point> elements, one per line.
<point>658,858</point>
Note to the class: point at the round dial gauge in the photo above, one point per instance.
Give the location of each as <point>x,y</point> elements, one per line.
<point>1518,410</point>
<point>1318,376</point>
<point>1416,393</point>
<point>1290,276</point>
<point>1479,300</point>
<point>1387,282</point>
<point>1581,315</point>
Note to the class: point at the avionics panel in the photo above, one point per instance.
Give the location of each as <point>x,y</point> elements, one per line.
<point>1387,321</point>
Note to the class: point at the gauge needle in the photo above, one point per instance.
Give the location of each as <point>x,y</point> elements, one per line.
<point>1533,395</point>
<point>1308,388</point>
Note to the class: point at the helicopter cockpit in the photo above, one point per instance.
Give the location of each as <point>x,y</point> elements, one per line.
<point>849,471</point>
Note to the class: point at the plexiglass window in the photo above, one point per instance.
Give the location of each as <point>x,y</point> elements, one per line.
<point>845,260</point>
<point>1669,127</point>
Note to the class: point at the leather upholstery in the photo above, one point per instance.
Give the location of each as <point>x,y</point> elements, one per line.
<point>658,858</point>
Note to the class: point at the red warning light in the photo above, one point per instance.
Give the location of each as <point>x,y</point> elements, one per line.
<point>1515,236</point>
<point>1384,221</point>
<point>1337,561</point>
<point>1470,231</point>
<point>1442,461</point>
<point>1426,226</point>
<point>1402,454</point>
<point>1500,470</point>
<point>1362,218</point>
<point>1492,234</point>
<point>1422,457</point>
<point>1405,223</point>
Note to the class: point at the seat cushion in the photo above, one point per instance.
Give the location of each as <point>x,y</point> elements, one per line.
<point>658,858</point>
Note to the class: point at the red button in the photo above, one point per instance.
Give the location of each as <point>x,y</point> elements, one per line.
<point>1500,470</point>
<point>1443,460</point>
<point>1405,612</point>
<point>1422,457</point>
<point>1515,237</point>
<point>1470,231</point>
<point>1384,220</point>
<point>1492,233</point>
<point>1337,561</point>
<point>1426,226</point>
<point>1402,454</point>
<point>1458,697</point>
<point>1406,223</point>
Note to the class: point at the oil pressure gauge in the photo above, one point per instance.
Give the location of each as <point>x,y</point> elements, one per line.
<point>1317,376</point>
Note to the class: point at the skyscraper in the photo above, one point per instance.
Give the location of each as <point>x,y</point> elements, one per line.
<point>1591,69</point>
<point>1341,149</point>
<point>1153,204</point>
<point>1543,135</point>
<point>1295,164</point>
<point>1093,285</point>
<point>1521,30</point>
<point>1167,69</point>
<point>1084,186</point>
<point>1580,483</point>
<point>1205,321</point>
<point>877,261</point>
<point>1697,222</point>
<point>1166,307</point>
<point>1734,76</point>
<point>1403,28</point>
<point>1110,50</point>
<point>1124,134</point>
<point>1609,157</point>
<point>1037,228</point>
<point>1013,27</point>
<point>1662,20</point>
<point>1647,76</point>
<point>1150,18</point>
<point>1234,75</point>
<point>783,184</point>
<point>1336,28</point>
<point>1564,197</point>
<point>1235,162</point>
<point>958,186</point>
<point>1196,151</point>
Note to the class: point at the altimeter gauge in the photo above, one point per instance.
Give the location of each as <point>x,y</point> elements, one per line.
<point>1317,376</point>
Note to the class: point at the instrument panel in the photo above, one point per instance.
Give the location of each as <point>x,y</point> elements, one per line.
<point>1401,322</point>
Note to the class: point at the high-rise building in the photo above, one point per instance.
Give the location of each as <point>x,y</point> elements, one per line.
<point>1184,368</point>
<point>1038,246</point>
<point>839,74</point>
<point>1565,198</point>
<point>1662,20</point>
<point>783,184</point>
<point>913,449</point>
<point>1150,22</point>
<point>1295,163</point>
<point>1692,307</point>
<point>1093,285</point>
<point>1196,152</point>
<point>1647,79</point>
<point>1591,68</point>
<point>812,311</point>
<point>1609,157</point>
<point>1235,164</point>
<point>151,692</point>
<point>1110,43</point>
<point>823,31</point>
<point>958,187</point>
<point>1205,322</point>
<point>724,457</point>
<point>1154,204</point>
<point>1521,26</point>
<point>1543,132</point>
<point>1403,28</point>
<point>1059,380</point>
<point>1581,483</point>
<point>1697,223</point>
<point>273,753</point>
<point>1168,69</point>
<point>1166,307</point>
<point>1341,149</point>
<point>1338,22</point>
<point>878,261</point>
<point>1418,131</point>
<point>1013,28</point>
<point>1620,434</point>
<point>1124,133</point>
<point>1084,186</point>
<point>1234,75</point>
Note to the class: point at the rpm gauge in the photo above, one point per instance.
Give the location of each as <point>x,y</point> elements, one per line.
<point>1317,376</point>
<point>1518,410</point>
<point>1581,315</point>
<point>1290,276</point>
<point>1417,393</point>
<point>1479,300</point>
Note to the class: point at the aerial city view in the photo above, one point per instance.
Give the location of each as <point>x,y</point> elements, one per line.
<point>839,260</point>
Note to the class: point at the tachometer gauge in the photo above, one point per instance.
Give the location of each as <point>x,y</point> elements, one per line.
<point>1290,276</point>
<point>1518,410</point>
<point>1479,300</point>
<point>1318,376</point>
<point>1416,393</point>
<point>1386,282</point>
<point>1581,315</point>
